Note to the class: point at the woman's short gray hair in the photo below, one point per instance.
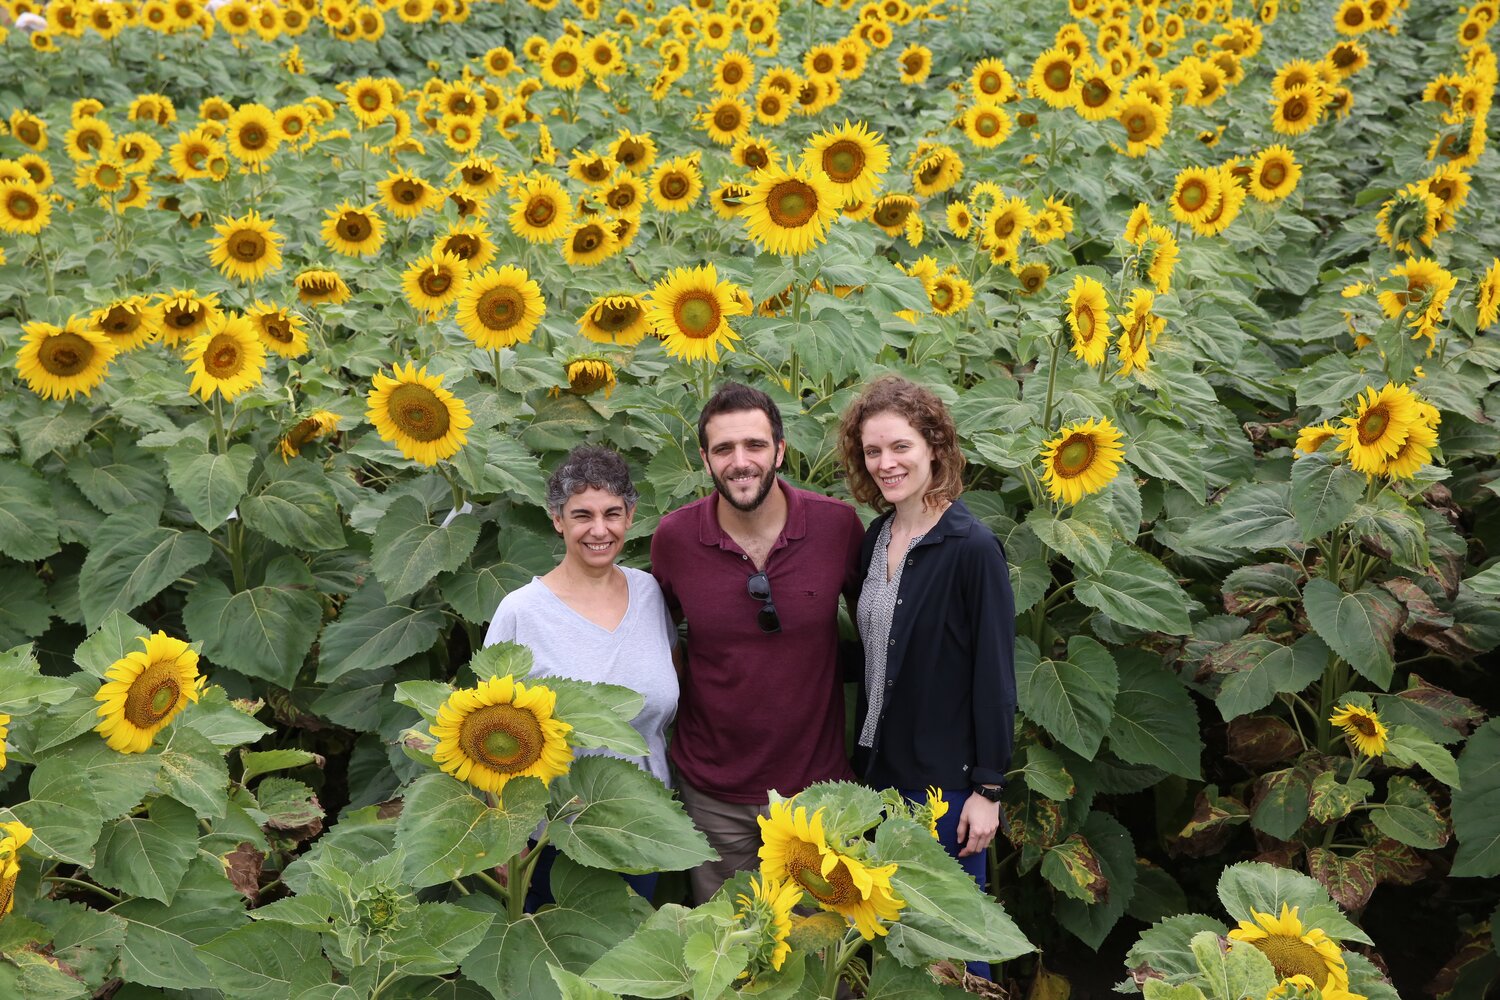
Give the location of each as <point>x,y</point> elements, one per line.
<point>590,466</point>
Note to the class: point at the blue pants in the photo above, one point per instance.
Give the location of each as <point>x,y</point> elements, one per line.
<point>539,892</point>
<point>977,865</point>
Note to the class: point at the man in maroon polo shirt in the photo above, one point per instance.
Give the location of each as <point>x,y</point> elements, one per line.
<point>756,569</point>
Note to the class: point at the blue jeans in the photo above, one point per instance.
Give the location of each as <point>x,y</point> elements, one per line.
<point>539,892</point>
<point>977,865</point>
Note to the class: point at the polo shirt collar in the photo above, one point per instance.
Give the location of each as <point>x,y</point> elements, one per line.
<point>711,533</point>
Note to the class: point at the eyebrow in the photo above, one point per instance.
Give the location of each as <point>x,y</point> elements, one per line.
<point>612,509</point>
<point>762,442</point>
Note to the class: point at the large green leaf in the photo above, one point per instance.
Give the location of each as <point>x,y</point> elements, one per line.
<point>446,832</point>
<point>593,914</point>
<point>117,635</point>
<point>1111,842</point>
<point>24,609</point>
<point>148,856</point>
<point>23,687</point>
<point>431,939</point>
<point>600,714</point>
<point>132,561</point>
<point>27,530</point>
<point>1086,536</point>
<point>1410,816</point>
<point>127,480</point>
<point>1135,589</point>
<point>1252,887</point>
<point>162,942</point>
<point>1164,451</point>
<point>1360,627</point>
<point>209,485</point>
<point>1155,721</point>
<point>1255,669</point>
<point>371,632</point>
<point>262,632</point>
<point>626,820</point>
<point>1074,698</point>
<point>266,961</point>
<point>652,961</point>
<point>410,549</point>
<point>1408,746</point>
<point>296,508</point>
<point>946,916</point>
<point>1324,493</point>
<point>193,770</point>
<point>1476,821</point>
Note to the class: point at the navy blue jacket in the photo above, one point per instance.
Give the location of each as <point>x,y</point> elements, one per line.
<point>948,714</point>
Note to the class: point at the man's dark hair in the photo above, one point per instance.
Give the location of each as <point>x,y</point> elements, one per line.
<point>733,397</point>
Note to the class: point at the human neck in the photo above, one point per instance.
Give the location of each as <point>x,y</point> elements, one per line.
<point>767,518</point>
<point>913,516</point>
<point>576,573</point>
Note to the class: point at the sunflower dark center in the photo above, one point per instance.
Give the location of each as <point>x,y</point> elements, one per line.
<point>791,203</point>
<point>588,239</point>
<point>247,246</point>
<point>1295,109</point>
<point>891,214</point>
<point>502,737</point>
<point>732,73</point>
<point>564,64</point>
<point>942,295</point>
<point>120,321</point>
<point>615,318</point>
<point>223,357</point>
<point>278,327</point>
<point>253,137</point>
<point>596,170</point>
<point>986,124</point>
<point>1372,426</point>
<point>805,867</point>
<point>22,206</point>
<point>990,82</point>
<point>697,315</point>
<point>727,118</point>
<point>1273,174</point>
<point>436,282</point>
<point>500,308</point>
<point>1292,956</point>
<point>674,186</point>
<point>1058,76</point>
<point>153,695</point>
<point>1194,195</point>
<point>355,227</point>
<point>65,354</point>
<point>417,412</point>
<point>1074,457</point>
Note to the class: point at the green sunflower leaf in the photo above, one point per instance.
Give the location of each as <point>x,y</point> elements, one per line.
<point>132,561</point>
<point>624,820</point>
<point>410,550</point>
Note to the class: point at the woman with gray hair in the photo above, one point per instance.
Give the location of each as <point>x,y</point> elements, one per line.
<point>591,620</point>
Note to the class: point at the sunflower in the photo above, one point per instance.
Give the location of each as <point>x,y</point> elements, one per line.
<point>916,64</point>
<point>1139,328</point>
<point>689,311</point>
<point>1005,224</point>
<point>1274,173</point>
<point>85,139</point>
<point>1088,318</point>
<point>1145,124</point>
<point>1156,257</point>
<point>587,374</point>
<point>615,319</point>
<point>789,210</point>
<point>251,135</point>
<point>591,168</point>
<point>37,169</point>
<point>470,242</point>
<point>934,809</point>
<point>24,210</point>
<point>129,323</point>
<point>1424,296</point>
<point>890,211</point>
<point>501,730</point>
<point>1413,214</point>
<point>989,82</point>
<point>851,157</point>
<point>13,836</point>
<point>589,242</point>
<point>227,358</point>
<point>246,249</point>
<point>186,314</point>
<point>407,196</point>
<point>1311,438</point>
<point>1379,427</point>
<point>935,168</point>
<point>1084,458</point>
<point>768,909</point>
<point>733,73</point>
<point>353,232</point>
<point>321,424</point>
<point>986,125</point>
<point>634,152</point>
<point>1293,949</point>
<point>500,307</point>
<point>1097,95</point>
<point>539,210</point>
<point>144,690</point>
<point>960,219</point>
<point>1032,276</point>
<point>1053,222</point>
<point>726,120</point>
<point>29,129</point>
<point>58,362</point>
<point>1353,18</point>
<point>1488,303</point>
<point>676,184</point>
<point>1415,451</point>
<point>4,890</point>
<point>434,282</point>
<point>793,849</point>
<point>1196,195</point>
<point>948,293</point>
<point>415,413</point>
<point>562,64</point>
<point>191,155</point>
<point>281,330</point>
<point>319,286</point>
<point>772,104</point>
<point>1296,110</point>
<point>1449,183</point>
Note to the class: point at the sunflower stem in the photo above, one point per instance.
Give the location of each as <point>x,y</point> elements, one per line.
<point>847,948</point>
<point>41,251</point>
<point>489,880</point>
<point>1051,382</point>
<point>80,884</point>
<point>495,364</point>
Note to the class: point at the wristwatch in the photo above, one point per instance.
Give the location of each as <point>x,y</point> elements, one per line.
<point>991,792</point>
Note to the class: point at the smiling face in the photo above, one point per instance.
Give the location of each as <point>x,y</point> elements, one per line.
<point>742,457</point>
<point>897,457</point>
<point>593,524</point>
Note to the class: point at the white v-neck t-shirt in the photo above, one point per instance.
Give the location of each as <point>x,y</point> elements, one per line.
<point>637,654</point>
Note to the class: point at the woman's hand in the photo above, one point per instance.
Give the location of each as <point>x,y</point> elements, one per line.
<point>977,824</point>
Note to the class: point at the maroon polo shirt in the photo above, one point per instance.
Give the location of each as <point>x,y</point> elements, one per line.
<point>760,711</point>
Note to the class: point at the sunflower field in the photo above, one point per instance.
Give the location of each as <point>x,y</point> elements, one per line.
<point>300,300</point>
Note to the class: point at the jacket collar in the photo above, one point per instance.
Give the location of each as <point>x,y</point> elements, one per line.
<point>710,532</point>
<point>956,522</point>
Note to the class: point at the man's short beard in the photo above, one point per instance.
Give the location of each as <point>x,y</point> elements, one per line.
<point>767,483</point>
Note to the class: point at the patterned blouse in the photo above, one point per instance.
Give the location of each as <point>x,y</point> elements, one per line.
<point>877,608</point>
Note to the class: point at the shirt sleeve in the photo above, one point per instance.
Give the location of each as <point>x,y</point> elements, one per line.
<point>503,625</point>
<point>992,617</point>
